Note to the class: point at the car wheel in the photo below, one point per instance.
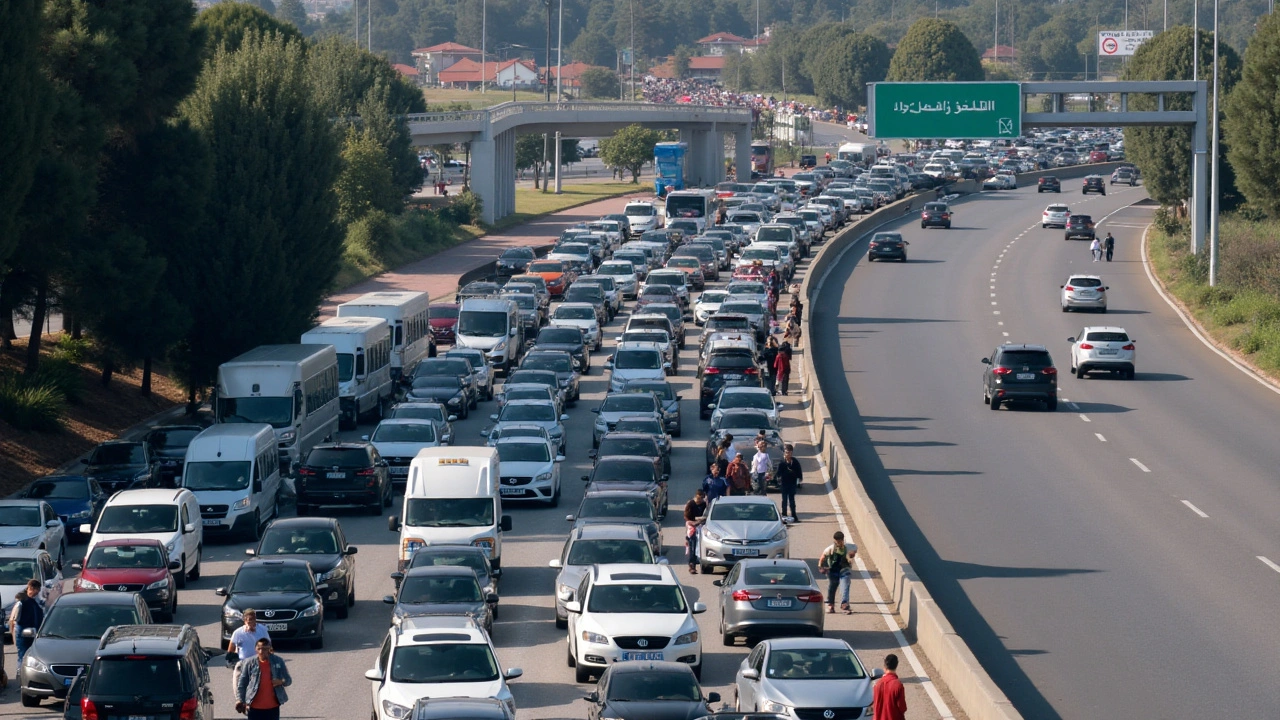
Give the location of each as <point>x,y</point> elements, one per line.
<point>1103,309</point>
<point>195,571</point>
<point>1130,374</point>
<point>317,643</point>
<point>30,700</point>
<point>473,404</point>
<point>1051,405</point>
<point>375,507</point>
<point>582,674</point>
<point>569,659</point>
<point>705,568</point>
<point>181,578</point>
<point>555,498</point>
<point>1081,372</point>
<point>343,611</point>
<point>255,529</point>
<point>1065,308</point>
<point>995,403</point>
<point>697,671</point>
<point>561,625</point>
<point>1043,226</point>
<point>386,498</point>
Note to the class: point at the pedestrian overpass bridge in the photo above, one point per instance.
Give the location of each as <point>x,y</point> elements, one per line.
<point>492,136</point>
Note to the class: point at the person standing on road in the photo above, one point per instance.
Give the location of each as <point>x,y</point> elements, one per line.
<point>789,476</point>
<point>730,452</point>
<point>1095,247</point>
<point>715,484</point>
<point>888,700</point>
<point>262,680</point>
<point>782,368</point>
<point>767,356</point>
<point>760,468</point>
<point>244,641</point>
<point>739,477</point>
<point>836,563</point>
<point>28,612</point>
<point>1109,244</point>
<point>694,515</point>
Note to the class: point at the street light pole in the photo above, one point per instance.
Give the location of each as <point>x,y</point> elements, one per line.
<point>631,8</point>
<point>559,67</point>
<point>1213,192</point>
<point>484,36</point>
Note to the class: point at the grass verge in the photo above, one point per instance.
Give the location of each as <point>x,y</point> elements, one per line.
<point>532,203</point>
<point>378,242</point>
<point>439,98</point>
<point>1242,311</point>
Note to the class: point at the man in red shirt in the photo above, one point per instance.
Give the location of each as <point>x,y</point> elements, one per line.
<point>888,700</point>
<point>260,689</point>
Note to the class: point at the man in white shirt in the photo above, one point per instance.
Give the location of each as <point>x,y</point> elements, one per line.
<point>244,641</point>
<point>760,468</point>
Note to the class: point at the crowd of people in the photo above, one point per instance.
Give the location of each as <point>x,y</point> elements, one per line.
<point>702,92</point>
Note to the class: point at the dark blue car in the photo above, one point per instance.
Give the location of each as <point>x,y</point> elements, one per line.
<point>76,498</point>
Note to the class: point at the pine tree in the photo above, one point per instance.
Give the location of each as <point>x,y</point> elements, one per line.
<point>1252,120</point>
<point>24,118</point>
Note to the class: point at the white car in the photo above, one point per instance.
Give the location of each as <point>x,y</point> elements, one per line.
<point>582,316</point>
<point>1055,215</point>
<point>32,524</point>
<point>637,361</point>
<point>707,305</point>
<point>1103,349</point>
<point>738,527</point>
<point>1000,181</point>
<point>403,438</point>
<point>529,469</point>
<point>745,398</point>
<point>170,516</point>
<point>746,290</point>
<point>643,217</point>
<point>614,604</point>
<point>624,274</point>
<point>436,656</point>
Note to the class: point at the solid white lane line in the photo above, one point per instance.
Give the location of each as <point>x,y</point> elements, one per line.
<point>1099,436</point>
<point>1195,509</point>
<point>1085,417</point>
<point>1269,564</point>
<point>1141,467</point>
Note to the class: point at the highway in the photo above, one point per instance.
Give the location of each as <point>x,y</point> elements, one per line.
<point>1112,559</point>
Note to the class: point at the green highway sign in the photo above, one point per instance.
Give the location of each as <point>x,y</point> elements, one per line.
<point>945,110</point>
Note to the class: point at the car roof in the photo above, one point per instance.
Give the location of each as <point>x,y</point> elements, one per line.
<point>1105,328</point>
<point>22,502</point>
<point>24,553</point>
<point>274,562</point>
<point>153,496</point>
<point>531,401</point>
<point>405,421</point>
<point>170,640</point>
<point>96,598</point>
<point>743,500</point>
<point>522,439</point>
<point>1024,346</point>
<point>649,666</point>
<point>1082,275</point>
<point>303,522</point>
<point>621,573</point>
<point>424,629</point>
<point>449,570</point>
<point>120,542</point>
<point>795,643</point>
<point>579,305</point>
<point>608,531</point>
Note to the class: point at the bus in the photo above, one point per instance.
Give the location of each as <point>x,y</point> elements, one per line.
<point>761,160</point>
<point>699,206</point>
<point>668,162</point>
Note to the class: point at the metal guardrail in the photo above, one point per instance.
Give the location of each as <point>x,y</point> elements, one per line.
<point>507,109</point>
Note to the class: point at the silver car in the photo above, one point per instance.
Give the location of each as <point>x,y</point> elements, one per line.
<point>1106,349</point>
<point>483,373</point>
<point>769,597</point>
<point>745,398</point>
<point>618,405</point>
<point>707,305</point>
<point>803,678</point>
<point>739,527</point>
<point>32,524</point>
<point>602,544</point>
<point>535,412</point>
<point>1084,292</point>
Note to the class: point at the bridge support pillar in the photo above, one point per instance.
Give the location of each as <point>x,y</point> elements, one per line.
<point>505,204</point>
<point>485,171</point>
<point>715,156</point>
<point>742,153</point>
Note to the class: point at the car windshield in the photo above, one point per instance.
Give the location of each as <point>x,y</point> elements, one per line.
<point>753,512</point>
<point>65,489</point>
<point>637,360</point>
<point>517,254</point>
<point>574,313</point>
<point>418,412</point>
<point>728,323</point>
<point>640,425</point>
<point>121,519</point>
<point>436,381</point>
<point>1085,282</point>
<point>666,279</point>
<point>444,663</point>
<point>593,551</point>
<point>627,403</point>
<point>663,390</point>
<point>449,512</point>
<point>654,686</point>
<point>134,675</point>
<point>814,664</point>
<point>1107,337</point>
<point>436,558</point>
<point>125,556</point>
<point>1056,209</point>
<point>118,454</point>
<point>739,308</point>
<point>636,598</point>
<point>272,579</point>
<point>343,458</point>
<point>550,266</point>
<point>524,301</point>
<point>405,433</point>
<point>531,393</point>
<point>420,589</point>
<point>651,291</point>
<point>684,261</point>
<point>176,438</point>
<point>84,622</point>
<point>346,367</point>
<point>298,541</point>
<point>713,296</point>
<point>751,420</point>
<point>595,506</point>
<point>775,234</point>
<point>533,377</point>
<point>518,431</point>
<point>644,446</point>
<point>776,575</point>
<point>17,571</point>
<point>523,452</point>
<point>746,288</point>
<point>542,412</point>
<point>560,335</point>
<point>639,211</point>
<point>473,359</point>
<point>477,323</point>
<point>759,401</point>
<point>1025,357</point>
<point>274,411</point>
<point>653,336</point>
<point>617,268</point>
<point>217,475</point>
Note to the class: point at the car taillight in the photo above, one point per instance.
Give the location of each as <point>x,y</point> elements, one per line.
<point>813,597</point>
<point>1086,346</point>
<point>188,709</point>
<point>88,710</point>
<point>1069,288</point>
<point>946,216</point>
<point>745,595</point>
<point>750,371</point>
<point>1000,371</point>
<point>367,472</point>
<point>1127,347</point>
<point>711,371</point>
<point>1050,371</point>
<point>1102,289</point>
<point>306,471</point>
<point>924,215</point>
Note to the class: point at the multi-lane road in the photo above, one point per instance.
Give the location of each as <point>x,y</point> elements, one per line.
<point>1115,558</point>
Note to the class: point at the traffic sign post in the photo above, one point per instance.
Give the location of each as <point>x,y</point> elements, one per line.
<point>970,110</point>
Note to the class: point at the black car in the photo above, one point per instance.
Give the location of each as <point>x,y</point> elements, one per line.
<point>1049,183</point>
<point>447,390</point>
<point>67,639</point>
<point>1020,372</point>
<point>169,448</point>
<point>1079,227</point>
<point>569,339</point>
<point>514,261</point>
<point>887,245</point>
<point>559,362</point>
<point>582,292</point>
<point>121,465</point>
<point>350,473</point>
<point>283,593</point>
<point>468,556</point>
<point>624,443</point>
<point>648,691</point>
<point>1094,183</point>
<point>722,370</point>
<point>148,671</point>
<point>808,161</point>
<point>935,214</point>
<point>631,472</point>
<point>670,401</point>
<point>441,590</point>
<point>321,542</point>
<point>448,367</point>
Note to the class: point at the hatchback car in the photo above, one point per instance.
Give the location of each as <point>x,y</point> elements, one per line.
<point>618,405</point>
<point>637,361</point>
<point>583,316</point>
<point>627,507</point>
<point>805,678</point>
<point>1093,184</point>
<point>402,438</point>
<point>1020,372</point>
<point>1084,292</point>
<point>1106,349</point>
<point>1124,176</point>
<point>887,245</point>
<point>132,566</point>
<point>1055,216</point>
<point>449,391</point>
<point>570,339</point>
<point>667,395</point>
<point>444,322</point>
<point>935,215</point>
<point>285,596</point>
<point>1049,183</point>
<point>535,412</point>
<point>321,542</point>
<point>1079,227</point>
<point>568,378</point>
<point>759,598</point>
<point>514,261</point>
<point>18,566</point>
<point>441,590</point>
<point>738,527</point>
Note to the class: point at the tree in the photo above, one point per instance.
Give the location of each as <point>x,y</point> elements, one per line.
<point>365,183</point>
<point>845,67</point>
<point>598,82</point>
<point>630,148</point>
<point>529,150</point>
<point>680,62</point>
<point>816,41</point>
<point>935,51</point>
<point>1000,71</point>
<point>25,118</point>
<point>293,12</point>
<point>227,23</point>
<point>1050,51</point>
<point>593,48</point>
<point>1252,120</point>
<point>270,245</point>
<point>1163,153</point>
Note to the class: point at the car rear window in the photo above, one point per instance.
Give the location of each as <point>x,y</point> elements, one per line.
<point>1085,282</point>
<point>1025,357</point>
<point>1057,208</point>
<point>1081,219</point>
<point>727,360</point>
<point>774,575</point>
<point>339,457</point>
<point>1108,337</point>
<point>135,676</point>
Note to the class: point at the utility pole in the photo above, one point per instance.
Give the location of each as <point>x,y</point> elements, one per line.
<point>1195,39</point>
<point>369,26</point>
<point>355,12</point>
<point>1213,192</point>
<point>631,8</point>
<point>757,25</point>
<point>484,35</point>
<point>996,45</point>
<point>546,94</point>
<point>559,75</point>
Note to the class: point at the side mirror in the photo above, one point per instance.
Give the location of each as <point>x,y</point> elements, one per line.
<point>397,576</point>
<point>250,552</point>
<point>586,478</point>
<point>573,606</point>
<point>593,697</point>
<point>85,529</point>
<point>351,550</point>
<point>189,528</point>
<point>505,526</point>
<point>564,417</point>
<point>512,332</point>
<point>986,361</point>
<point>559,458</point>
<point>375,675</point>
<point>596,410</point>
<point>713,697</point>
<point>393,523</point>
<point>568,518</point>
<point>220,592</point>
<point>592,453</point>
<point>53,523</point>
<point>751,674</point>
<point>389,599</point>
<point>28,633</point>
<point>364,438</point>
<point>877,674</point>
<point>491,598</point>
<point>1071,340</point>
<point>699,608</point>
<point>78,566</point>
<point>718,583</point>
<point>453,418</point>
<point>173,565</point>
<point>512,673</point>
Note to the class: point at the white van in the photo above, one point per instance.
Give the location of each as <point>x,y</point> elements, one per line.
<point>292,388</point>
<point>363,345</point>
<point>171,516</point>
<point>452,497</point>
<point>409,318</point>
<point>493,326</point>
<point>234,471</point>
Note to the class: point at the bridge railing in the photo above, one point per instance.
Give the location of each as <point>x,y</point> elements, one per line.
<point>508,109</point>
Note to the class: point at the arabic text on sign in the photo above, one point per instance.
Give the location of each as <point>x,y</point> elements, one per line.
<point>944,106</point>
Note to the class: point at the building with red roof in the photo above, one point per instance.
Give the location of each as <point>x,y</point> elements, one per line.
<point>431,61</point>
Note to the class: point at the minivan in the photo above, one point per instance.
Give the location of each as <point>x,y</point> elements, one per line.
<point>235,474</point>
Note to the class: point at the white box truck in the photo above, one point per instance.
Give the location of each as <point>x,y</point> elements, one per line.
<point>292,388</point>
<point>452,497</point>
<point>408,316</point>
<point>363,345</point>
<point>234,471</point>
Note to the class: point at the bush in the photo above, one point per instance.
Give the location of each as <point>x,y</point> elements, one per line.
<point>1167,222</point>
<point>72,350</point>
<point>62,376</point>
<point>464,209</point>
<point>28,406</point>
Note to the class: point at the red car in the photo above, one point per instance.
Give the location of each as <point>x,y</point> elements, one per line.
<point>557,276</point>
<point>132,565</point>
<point>444,322</point>
<point>1099,156</point>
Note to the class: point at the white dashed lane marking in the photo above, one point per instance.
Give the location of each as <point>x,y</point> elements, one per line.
<point>1085,417</point>
<point>1195,509</point>
<point>1141,467</point>
<point>1100,437</point>
<point>1269,564</point>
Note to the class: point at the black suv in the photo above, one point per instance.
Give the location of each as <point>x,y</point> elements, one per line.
<point>1020,372</point>
<point>1049,183</point>
<point>724,368</point>
<point>1079,227</point>
<point>808,161</point>
<point>935,214</point>
<point>321,542</point>
<point>569,339</point>
<point>1094,183</point>
<point>151,671</point>
<point>351,473</point>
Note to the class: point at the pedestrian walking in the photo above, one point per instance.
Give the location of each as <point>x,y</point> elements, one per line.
<point>694,515</point>
<point>1109,243</point>
<point>767,356</point>
<point>730,452</point>
<point>739,477</point>
<point>1095,247</point>
<point>760,468</point>
<point>792,332</point>
<point>782,368</point>
<point>836,562</point>
<point>888,700</point>
<point>243,643</point>
<point>28,612</point>
<point>797,307</point>
<point>789,476</point>
<point>715,484</point>
<point>261,683</point>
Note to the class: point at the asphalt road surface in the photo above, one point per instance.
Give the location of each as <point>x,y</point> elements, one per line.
<point>1106,560</point>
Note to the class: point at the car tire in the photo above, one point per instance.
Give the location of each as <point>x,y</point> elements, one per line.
<point>562,624</point>
<point>317,643</point>
<point>386,498</point>
<point>697,671</point>
<point>30,700</point>
<point>706,569</point>
<point>1051,405</point>
<point>1129,375</point>
<point>342,611</point>
<point>375,508</point>
<point>582,674</point>
<point>1081,372</point>
<point>255,528</point>
<point>195,571</point>
<point>1043,226</point>
<point>994,404</point>
<point>1065,308</point>
<point>181,578</point>
<point>555,498</point>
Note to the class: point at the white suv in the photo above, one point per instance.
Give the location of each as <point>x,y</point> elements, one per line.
<point>613,603</point>
<point>436,656</point>
<point>1055,216</point>
<point>170,516</point>
<point>1108,349</point>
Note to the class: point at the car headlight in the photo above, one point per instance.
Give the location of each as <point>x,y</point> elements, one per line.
<point>240,504</point>
<point>712,534</point>
<point>779,536</point>
<point>337,572</point>
<point>316,608</point>
<point>566,592</point>
<point>502,345</point>
<point>230,613</point>
<point>34,665</point>
<point>394,711</point>
<point>689,637</point>
<point>770,706</point>
<point>82,584</point>
<point>595,638</point>
<point>171,546</point>
<point>82,515</point>
<point>288,436</point>
<point>29,542</point>
<point>158,584</point>
<point>544,477</point>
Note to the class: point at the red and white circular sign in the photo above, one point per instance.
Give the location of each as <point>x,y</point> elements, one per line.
<point>1110,46</point>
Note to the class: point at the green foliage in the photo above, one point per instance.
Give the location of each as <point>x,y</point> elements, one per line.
<point>365,184</point>
<point>226,24</point>
<point>464,209</point>
<point>26,406</point>
<point>528,151</point>
<point>1050,51</point>
<point>935,51</point>
<point>845,66</point>
<point>24,118</point>
<point>629,148</point>
<point>593,47</point>
<point>600,83</point>
<point>1163,153</point>
<point>680,62</point>
<point>1251,121</point>
<point>61,376</point>
<point>379,242</point>
<point>71,350</point>
<point>994,71</point>
<point>293,12</point>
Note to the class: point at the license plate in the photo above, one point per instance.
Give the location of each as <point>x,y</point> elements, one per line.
<point>336,475</point>
<point>778,603</point>
<point>277,627</point>
<point>642,656</point>
<point>399,470</point>
<point>733,377</point>
<point>140,717</point>
<point>745,552</point>
<point>1108,352</point>
<point>1026,376</point>
<point>208,521</point>
<point>511,491</point>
